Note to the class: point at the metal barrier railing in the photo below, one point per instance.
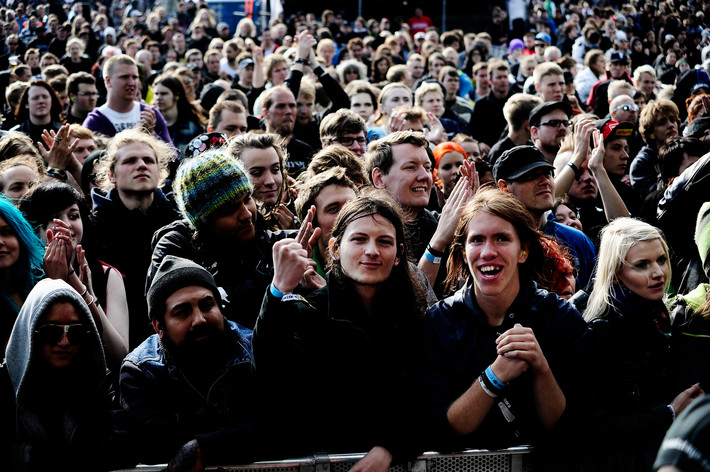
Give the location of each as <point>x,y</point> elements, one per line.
<point>515,459</point>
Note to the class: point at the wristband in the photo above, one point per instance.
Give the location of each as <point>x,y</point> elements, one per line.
<point>434,251</point>
<point>670,407</point>
<point>494,380</point>
<point>574,168</point>
<point>485,388</point>
<point>59,174</point>
<point>302,61</point>
<point>431,257</point>
<point>489,385</point>
<point>275,292</point>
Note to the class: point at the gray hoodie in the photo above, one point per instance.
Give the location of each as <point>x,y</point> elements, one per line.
<point>22,342</point>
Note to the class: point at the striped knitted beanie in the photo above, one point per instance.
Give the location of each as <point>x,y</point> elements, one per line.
<point>206,182</point>
<point>702,236</point>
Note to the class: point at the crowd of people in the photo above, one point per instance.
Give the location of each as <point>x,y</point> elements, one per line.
<point>222,245</point>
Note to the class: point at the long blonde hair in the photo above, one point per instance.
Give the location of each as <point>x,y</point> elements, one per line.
<point>616,239</point>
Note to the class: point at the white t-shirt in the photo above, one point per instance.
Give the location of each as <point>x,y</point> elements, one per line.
<point>122,121</point>
<point>226,68</point>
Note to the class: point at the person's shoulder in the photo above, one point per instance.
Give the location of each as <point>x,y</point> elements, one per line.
<point>567,233</point>
<point>297,144</point>
<point>149,351</point>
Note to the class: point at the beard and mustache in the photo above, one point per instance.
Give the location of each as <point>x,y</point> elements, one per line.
<point>194,352</point>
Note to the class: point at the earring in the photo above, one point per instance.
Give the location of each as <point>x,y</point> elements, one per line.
<point>525,253</point>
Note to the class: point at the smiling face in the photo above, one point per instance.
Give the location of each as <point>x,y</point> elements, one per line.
<point>235,220</point>
<point>646,269</point>
<point>646,84</point>
<point>568,217</point>
<point>71,216</point>
<point>60,354</point>
<point>192,319</point>
<point>493,252</point>
<point>135,169</point>
<point>264,170</point>
<point>368,251</point>
<point>9,245</point>
<point>409,180</point>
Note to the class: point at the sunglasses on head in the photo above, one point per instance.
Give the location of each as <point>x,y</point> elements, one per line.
<point>52,334</point>
<point>627,107</point>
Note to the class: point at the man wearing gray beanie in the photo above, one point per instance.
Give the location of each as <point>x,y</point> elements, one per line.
<point>195,375</point>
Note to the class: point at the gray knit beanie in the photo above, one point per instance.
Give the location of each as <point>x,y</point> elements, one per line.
<point>173,274</point>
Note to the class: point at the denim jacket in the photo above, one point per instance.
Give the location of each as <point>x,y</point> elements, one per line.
<point>167,410</point>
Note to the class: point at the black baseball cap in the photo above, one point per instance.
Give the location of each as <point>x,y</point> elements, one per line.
<point>543,109</point>
<point>518,161</point>
<point>618,56</point>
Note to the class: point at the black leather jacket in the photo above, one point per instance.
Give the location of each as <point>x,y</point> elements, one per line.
<point>242,271</point>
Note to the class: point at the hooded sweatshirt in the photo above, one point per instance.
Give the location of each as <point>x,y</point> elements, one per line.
<point>62,417</point>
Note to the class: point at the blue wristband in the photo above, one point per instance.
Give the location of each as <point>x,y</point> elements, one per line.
<point>431,257</point>
<point>494,380</point>
<point>275,292</point>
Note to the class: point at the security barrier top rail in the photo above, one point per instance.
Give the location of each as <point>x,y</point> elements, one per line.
<point>515,459</point>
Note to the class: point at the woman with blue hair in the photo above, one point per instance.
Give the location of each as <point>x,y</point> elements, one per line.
<point>21,253</point>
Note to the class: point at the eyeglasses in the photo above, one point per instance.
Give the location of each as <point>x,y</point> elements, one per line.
<point>88,94</point>
<point>627,107</point>
<point>351,71</point>
<point>540,45</point>
<point>557,123</point>
<point>52,334</point>
<point>347,142</point>
<point>12,44</point>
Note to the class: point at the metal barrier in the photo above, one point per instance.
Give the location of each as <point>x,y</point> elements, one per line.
<point>514,459</point>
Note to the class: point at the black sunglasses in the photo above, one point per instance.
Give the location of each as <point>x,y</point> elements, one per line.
<point>52,334</point>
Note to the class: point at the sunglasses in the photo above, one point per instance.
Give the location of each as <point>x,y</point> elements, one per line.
<point>557,123</point>
<point>52,334</point>
<point>627,107</point>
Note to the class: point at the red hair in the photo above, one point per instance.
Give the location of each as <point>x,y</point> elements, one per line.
<point>441,150</point>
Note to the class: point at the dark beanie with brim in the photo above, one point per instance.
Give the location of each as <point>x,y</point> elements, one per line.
<point>174,274</point>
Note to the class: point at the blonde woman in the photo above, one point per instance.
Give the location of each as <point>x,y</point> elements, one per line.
<point>631,333</point>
